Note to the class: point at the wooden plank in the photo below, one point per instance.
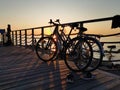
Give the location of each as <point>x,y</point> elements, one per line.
<point>21,69</point>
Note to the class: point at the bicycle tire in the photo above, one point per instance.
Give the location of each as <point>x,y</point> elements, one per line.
<point>46,49</point>
<point>78,58</point>
<point>98,54</point>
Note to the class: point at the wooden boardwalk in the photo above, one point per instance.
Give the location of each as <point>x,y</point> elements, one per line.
<point>20,69</point>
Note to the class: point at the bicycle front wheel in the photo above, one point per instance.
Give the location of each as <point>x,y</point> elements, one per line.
<point>46,48</point>
<point>78,54</point>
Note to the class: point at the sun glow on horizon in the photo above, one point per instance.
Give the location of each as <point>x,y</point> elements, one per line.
<point>21,14</point>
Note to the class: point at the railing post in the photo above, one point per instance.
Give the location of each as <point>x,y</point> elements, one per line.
<point>33,39</point>
<point>25,38</point>
<point>20,38</point>
<point>3,38</point>
<point>16,38</point>
<point>42,33</point>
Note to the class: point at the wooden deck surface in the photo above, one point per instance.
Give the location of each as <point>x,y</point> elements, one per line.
<point>20,69</point>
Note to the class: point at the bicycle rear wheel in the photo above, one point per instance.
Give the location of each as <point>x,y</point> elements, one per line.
<point>46,48</point>
<point>78,54</point>
<point>98,54</point>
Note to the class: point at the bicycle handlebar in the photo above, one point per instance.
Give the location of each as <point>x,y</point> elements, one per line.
<point>72,25</point>
<point>55,22</point>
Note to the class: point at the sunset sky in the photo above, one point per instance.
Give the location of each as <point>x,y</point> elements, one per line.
<point>34,13</point>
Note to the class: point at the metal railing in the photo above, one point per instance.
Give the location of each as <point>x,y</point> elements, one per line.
<point>28,37</point>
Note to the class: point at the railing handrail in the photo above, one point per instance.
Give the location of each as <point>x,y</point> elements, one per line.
<point>17,37</point>
<point>86,21</point>
<point>91,21</point>
<point>34,28</point>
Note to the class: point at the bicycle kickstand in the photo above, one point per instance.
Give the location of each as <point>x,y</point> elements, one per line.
<point>88,75</point>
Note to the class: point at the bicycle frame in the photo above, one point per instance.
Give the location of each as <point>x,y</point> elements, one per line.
<point>61,39</point>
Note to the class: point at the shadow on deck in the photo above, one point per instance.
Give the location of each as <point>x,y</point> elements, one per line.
<point>20,69</point>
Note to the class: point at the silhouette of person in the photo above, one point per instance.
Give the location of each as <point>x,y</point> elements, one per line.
<point>8,35</point>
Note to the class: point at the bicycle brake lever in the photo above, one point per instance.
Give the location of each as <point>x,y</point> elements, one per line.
<point>57,20</point>
<point>50,21</point>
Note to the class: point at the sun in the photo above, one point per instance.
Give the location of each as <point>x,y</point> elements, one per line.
<point>48,31</point>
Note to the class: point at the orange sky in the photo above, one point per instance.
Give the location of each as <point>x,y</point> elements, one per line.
<point>35,13</point>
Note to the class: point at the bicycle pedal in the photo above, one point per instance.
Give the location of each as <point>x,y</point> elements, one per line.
<point>88,76</point>
<point>70,78</point>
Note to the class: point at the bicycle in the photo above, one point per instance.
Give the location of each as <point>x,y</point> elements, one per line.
<point>97,50</point>
<point>110,59</point>
<point>48,48</point>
